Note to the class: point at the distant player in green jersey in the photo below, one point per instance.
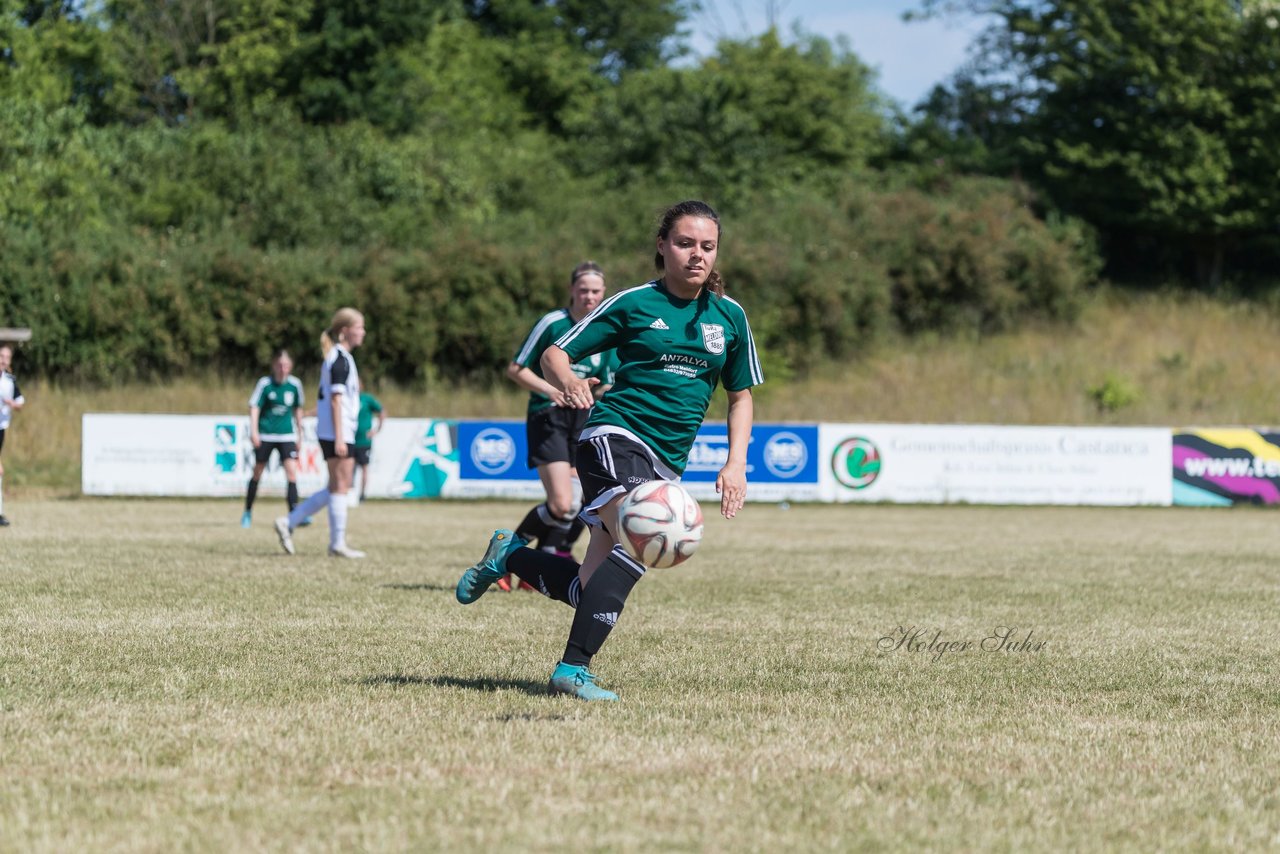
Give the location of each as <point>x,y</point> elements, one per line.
<point>275,427</point>
<point>362,448</point>
<point>677,338</point>
<point>551,428</point>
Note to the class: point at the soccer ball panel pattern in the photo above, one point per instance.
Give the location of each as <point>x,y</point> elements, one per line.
<point>661,524</point>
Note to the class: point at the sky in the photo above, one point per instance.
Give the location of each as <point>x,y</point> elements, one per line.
<point>909,57</point>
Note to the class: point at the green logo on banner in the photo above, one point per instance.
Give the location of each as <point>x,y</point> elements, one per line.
<point>225,450</point>
<point>856,463</point>
<point>436,457</point>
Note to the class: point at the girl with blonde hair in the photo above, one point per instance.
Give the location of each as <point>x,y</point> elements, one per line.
<point>337,411</point>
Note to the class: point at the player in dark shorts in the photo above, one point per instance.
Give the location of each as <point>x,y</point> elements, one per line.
<point>275,427</point>
<point>677,337</point>
<point>552,429</point>
<point>362,448</point>
<point>11,400</point>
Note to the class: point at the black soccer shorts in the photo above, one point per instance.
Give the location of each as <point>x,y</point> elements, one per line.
<point>287,451</point>
<point>608,466</point>
<point>553,435</point>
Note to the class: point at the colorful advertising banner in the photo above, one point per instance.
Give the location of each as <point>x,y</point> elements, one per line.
<point>1221,466</point>
<point>914,463</point>
<point>211,455</point>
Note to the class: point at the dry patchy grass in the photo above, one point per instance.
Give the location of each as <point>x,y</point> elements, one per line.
<point>169,681</point>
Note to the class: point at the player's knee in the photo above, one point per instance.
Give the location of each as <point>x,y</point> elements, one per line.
<point>561,507</point>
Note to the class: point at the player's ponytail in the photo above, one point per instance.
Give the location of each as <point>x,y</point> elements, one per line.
<point>342,319</point>
<point>715,283</point>
<point>693,207</point>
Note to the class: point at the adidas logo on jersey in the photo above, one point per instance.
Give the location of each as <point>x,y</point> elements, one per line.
<point>609,619</point>
<point>659,324</point>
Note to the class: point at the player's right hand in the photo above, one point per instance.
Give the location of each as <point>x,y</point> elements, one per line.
<point>577,394</point>
<point>257,441</point>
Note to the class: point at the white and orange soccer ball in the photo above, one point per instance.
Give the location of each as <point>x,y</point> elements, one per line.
<point>661,524</point>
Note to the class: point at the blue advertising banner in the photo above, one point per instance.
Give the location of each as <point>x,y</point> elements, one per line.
<point>782,461</point>
<point>493,450</point>
<point>778,453</point>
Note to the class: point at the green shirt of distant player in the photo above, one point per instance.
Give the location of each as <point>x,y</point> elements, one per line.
<point>369,406</point>
<point>672,352</point>
<point>544,333</point>
<point>276,403</point>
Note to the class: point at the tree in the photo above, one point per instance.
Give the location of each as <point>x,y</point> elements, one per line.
<point>1130,114</point>
<point>619,35</point>
<point>758,114</point>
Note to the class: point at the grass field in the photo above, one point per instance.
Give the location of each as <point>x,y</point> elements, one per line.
<point>171,682</point>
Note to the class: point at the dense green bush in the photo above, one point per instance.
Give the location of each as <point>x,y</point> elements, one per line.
<point>975,257</point>
<point>175,201</point>
<point>819,275</point>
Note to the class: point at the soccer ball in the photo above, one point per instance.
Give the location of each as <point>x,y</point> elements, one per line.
<point>661,524</point>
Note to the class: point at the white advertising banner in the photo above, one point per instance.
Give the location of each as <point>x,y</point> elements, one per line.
<point>914,463</point>
<point>211,455</point>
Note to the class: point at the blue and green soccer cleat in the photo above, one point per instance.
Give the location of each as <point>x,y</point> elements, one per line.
<point>476,580</point>
<point>246,519</point>
<point>577,682</point>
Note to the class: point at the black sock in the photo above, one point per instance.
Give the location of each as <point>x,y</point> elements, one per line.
<point>601,606</point>
<point>293,496</point>
<point>535,525</point>
<point>557,539</point>
<point>555,577</point>
<point>575,531</point>
<point>250,495</point>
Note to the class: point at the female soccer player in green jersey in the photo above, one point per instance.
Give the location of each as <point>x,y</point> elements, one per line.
<point>551,428</point>
<point>677,337</point>
<point>275,427</point>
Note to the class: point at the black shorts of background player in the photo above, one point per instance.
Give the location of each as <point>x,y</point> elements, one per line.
<point>552,428</point>
<point>372,418</point>
<point>677,337</point>
<point>275,427</point>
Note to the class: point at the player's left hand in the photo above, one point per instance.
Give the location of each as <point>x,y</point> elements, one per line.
<point>731,483</point>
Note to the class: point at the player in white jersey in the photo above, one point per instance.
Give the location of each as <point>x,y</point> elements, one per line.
<point>11,399</point>
<point>337,411</point>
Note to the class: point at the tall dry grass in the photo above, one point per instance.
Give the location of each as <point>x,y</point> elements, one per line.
<point>1129,360</point>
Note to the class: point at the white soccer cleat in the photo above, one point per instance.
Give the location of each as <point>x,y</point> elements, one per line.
<point>285,535</point>
<point>345,551</point>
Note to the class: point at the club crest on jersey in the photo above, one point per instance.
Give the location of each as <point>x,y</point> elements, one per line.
<point>713,338</point>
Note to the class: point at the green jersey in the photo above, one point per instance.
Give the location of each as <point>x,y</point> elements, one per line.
<point>276,403</point>
<point>368,406</point>
<point>672,353</point>
<point>545,332</point>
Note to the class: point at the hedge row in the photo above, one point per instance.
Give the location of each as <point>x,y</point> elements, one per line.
<point>820,274</point>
